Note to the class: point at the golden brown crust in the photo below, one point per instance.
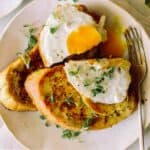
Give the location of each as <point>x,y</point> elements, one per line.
<point>106,109</point>
<point>50,91</point>
<point>12,92</point>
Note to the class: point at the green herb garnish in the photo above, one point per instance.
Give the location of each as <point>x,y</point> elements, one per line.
<point>86,82</point>
<point>93,68</point>
<point>42,117</point>
<point>70,134</point>
<point>74,72</point>
<point>69,101</point>
<point>32,30</point>
<point>32,40</point>
<point>99,89</point>
<point>57,126</point>
<point>87,123</point>
<point>47,124</point>
<point>53,29</point>
<point>31,43</point>
<point>99,80</point>
<point>109,72</point>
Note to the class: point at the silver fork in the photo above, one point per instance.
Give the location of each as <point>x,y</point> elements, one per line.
<point>138,60</point>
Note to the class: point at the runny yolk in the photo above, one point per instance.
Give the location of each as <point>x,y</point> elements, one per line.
<point>83,39</point>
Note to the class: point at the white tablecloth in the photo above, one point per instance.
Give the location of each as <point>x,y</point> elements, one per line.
<point>7,141</point>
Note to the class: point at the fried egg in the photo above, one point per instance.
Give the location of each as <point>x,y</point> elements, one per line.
<point>102,81</point>
<point>68,31</point>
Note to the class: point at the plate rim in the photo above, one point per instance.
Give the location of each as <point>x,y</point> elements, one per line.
<point>12,9</point>
<point>9,24</point>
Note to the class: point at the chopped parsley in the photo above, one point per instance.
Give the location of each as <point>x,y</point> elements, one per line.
<point>32,30</point>
<point>42,117</point>
<point>99,89</point>
<point>74,72</point>
<point>119,69</point>
<point>87,123</point>
<point>47,124</point>
<point>69,101</point>
<point>70,134</point>
<point>99,80</point>
<point>93,68</point>
<point>54,29</point>
<point>32,40</point>
<point>57,126</point>
<point>109,72</point>
<point>86,82</point>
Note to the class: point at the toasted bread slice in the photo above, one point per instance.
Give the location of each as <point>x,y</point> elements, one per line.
<point>12,92</point>
<point>58,100</point>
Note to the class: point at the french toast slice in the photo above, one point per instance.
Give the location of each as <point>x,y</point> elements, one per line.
<point>12,92</point>
<point>60,103</point>
<point>108,109</point>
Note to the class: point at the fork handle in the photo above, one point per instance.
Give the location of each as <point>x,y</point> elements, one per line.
<point>141,133</point>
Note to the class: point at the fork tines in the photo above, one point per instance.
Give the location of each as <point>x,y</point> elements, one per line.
<point>136,47</point>
<point>134,42</point>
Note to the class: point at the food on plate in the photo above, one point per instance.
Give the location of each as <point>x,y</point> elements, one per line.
<point>82,85</point>
<point>69,31</point>
<point>60,102</point>
<point>12,92</point>
<point>101,82</point>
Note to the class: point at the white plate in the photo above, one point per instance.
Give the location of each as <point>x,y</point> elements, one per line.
<point>26,126</point>
<point>6,6</point>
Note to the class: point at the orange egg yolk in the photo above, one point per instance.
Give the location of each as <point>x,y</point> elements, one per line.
<point>83,39</point>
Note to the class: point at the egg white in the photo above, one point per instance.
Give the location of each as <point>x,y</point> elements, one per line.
<point>115,86</point>
<point>66,18</point>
